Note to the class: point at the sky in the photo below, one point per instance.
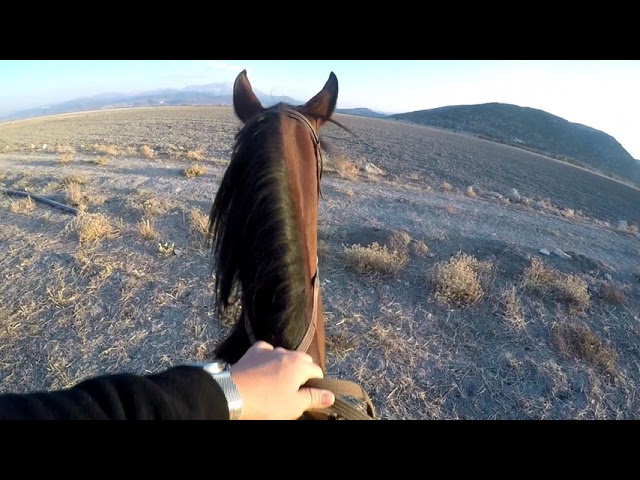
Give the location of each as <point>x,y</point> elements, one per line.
<point>603,94</point>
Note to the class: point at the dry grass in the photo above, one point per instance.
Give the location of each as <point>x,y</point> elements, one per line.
<point>458,281</point>
<point>546,280</point>
<point>75,178</point>
<point>195,155</point>
<point>612,293</point>
<point>147,152</point>
<point>399,241</point>
<point>633,228</point>
<point>66,158</point>
<point>147,230</point>
<point>109,150</point>
<point>568,213</point>
<point>94,227</point>
<point>420,248</point>
<point>512,309</point>
<point>346,168</point>
<point>101,160</point>
<point>470,192</point>
<point>199,221</point>
<point>194,170</point>
<point>447,187</point>
<point>75,196</point>
<point>376,259</point>
<point>579,341</point>
<point>23,205</point>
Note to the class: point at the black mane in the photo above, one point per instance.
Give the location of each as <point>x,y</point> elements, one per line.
<point>255,241</point>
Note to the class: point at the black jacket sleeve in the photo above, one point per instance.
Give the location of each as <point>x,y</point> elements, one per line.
<point>179,393</point>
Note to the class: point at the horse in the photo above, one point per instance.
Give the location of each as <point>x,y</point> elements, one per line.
<point>263,233</point>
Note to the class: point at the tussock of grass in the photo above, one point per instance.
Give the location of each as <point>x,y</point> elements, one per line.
<point>612,294</point>
<point>420,248</point>
<point>470,192</point>
<point>568,213</point>
<point>147,152</point>
<point>147,230</point>
<point>66,158</point>
<point>447,187</point>
<point>346,168</point>
<point>199,221</point>
<point>93,227</point>
<point>458,280</point>
<point>23,205</point>
<point>194,170</point>
<point>376,259</point>
<point>101,161</point>
<point>399,241</point>
<point>546,280</point>
<point>74,178</point>
<point>195,155</point>
<point>579,341</point>
<point>75,196</point>
<point>511,308</point>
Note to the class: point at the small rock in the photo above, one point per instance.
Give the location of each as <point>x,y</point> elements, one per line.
<point>544,251</point>
<point>622,225</point>
<point>560,253</point>
<point>371,168</point>
<point>607,277</point>
<point>525,200</point>
<point>494,195</point>
<point>514,196</point>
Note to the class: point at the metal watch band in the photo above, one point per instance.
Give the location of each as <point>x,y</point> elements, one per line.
<point>221,373</point>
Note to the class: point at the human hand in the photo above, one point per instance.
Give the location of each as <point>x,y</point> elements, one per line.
<point>269,381</point>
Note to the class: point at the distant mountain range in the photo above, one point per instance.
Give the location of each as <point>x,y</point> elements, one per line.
<point>523,127</point>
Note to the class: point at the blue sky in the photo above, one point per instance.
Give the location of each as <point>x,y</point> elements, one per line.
<point>602,94</point>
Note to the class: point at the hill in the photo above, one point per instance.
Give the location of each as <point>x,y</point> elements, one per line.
<point>534,130</point>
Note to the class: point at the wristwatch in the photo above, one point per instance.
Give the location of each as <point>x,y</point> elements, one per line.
<point>221,372</point>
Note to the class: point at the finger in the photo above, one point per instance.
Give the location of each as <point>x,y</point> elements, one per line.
<point>315,398</point>
<point>310,370</point>
<point>262,345</point>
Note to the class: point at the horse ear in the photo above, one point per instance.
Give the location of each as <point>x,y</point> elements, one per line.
<point>245,102</point>
<point>323,104</point>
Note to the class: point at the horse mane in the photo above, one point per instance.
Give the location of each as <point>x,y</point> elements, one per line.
<point>256,244</point>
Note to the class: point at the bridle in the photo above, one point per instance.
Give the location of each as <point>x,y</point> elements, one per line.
<point>341,409</point>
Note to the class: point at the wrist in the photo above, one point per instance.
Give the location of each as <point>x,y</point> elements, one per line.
<point>220,372</point>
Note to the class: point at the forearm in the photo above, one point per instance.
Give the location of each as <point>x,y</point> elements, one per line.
<point>180,393</point>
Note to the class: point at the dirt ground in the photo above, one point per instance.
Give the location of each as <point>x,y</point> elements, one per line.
<point>72,306</point>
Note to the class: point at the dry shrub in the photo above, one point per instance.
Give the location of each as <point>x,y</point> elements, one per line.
<point>447,187</point>
<point>346,168</point>
<point>579,341</point>
<point>64,149</point>
<point>633,228</point>
<point>199,221</point>
<point>109,150</point>
<point>376,259</point>
<point>195,155</point>
<point>74,178</point>
<point>23,205</point>
<point>101,161</point>
<point>75,196</point>
<point>470,192</point>
<point>147,152</point>
<point>420,248</point>
<point>399,241</point>
<point>458,281</point>
<point>612,293</point>
<point>66,158</point>
<point>568,213</point>
<point>93,227</point>
<point>546,280</point>
<point>194,170</point>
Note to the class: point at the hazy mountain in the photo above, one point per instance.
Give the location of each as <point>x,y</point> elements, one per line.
<point>362,112</point>
<point>534,130</point>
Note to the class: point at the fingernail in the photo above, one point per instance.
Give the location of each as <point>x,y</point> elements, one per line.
<point>327,399</point>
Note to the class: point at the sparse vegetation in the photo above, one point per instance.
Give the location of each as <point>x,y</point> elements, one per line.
<point>545,280</point>
<point>94,227</point>
<point>23,205</point>
<point>195,155</point>
<point>611,293</point>
<point>579,341</point>
<point>147,230</point>
<point>458,280</point>
<point>147,152</point>
<point>346,168</point>
<point>194,170</point>
<point>399,241</point>
<point>470,192</point>
<point>66,158</point>
<point>376,259</point>
<point>447,187</point>
<point>101,160</point>
<point>199,221</point>
<point>420,248</point>
<point>512,309</point>
<point>568,213</point>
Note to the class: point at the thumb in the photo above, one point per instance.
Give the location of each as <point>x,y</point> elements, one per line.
<point>313,398</point>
